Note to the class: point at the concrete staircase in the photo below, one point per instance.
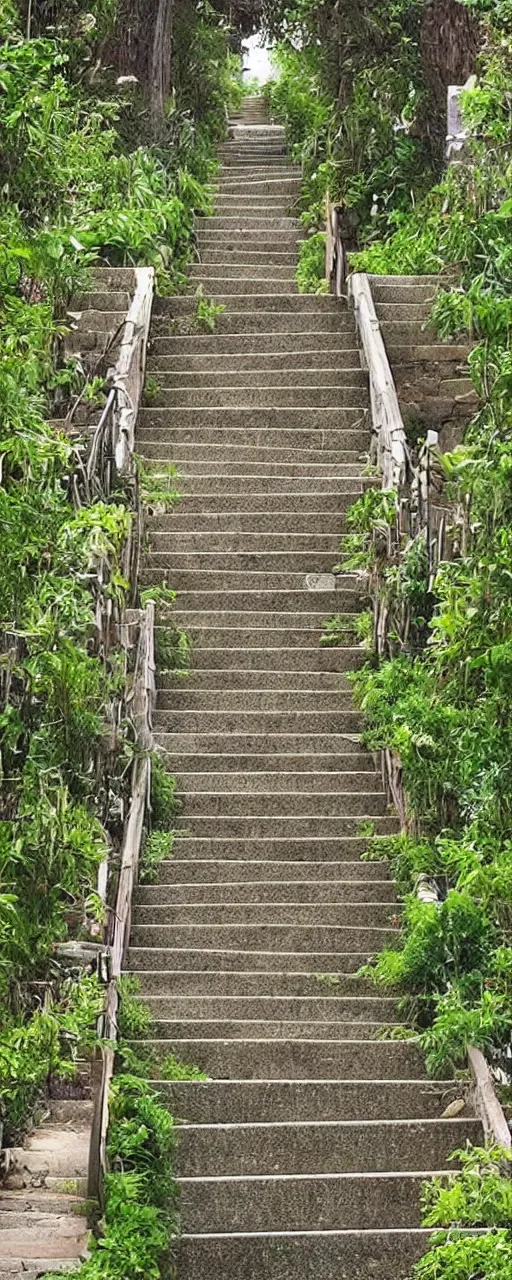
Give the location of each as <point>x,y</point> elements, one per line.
<point>303,1153</point>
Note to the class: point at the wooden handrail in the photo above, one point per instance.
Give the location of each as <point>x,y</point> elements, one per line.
<point>387,422</point>
<point>143,699</point>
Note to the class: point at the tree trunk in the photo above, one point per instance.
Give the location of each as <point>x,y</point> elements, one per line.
<point>142,47</point>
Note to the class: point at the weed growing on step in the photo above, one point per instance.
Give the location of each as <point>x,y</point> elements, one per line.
<point>337,630</point>
<point>151,390</point>
<point>159,491</point>
<point>158,846</point>
<point>207,313</point>
<point>311,264</point>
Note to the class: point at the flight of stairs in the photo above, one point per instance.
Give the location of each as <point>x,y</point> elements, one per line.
<point>303,1153</point>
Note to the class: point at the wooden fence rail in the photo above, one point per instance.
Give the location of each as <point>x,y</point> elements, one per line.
<point>421,513</point>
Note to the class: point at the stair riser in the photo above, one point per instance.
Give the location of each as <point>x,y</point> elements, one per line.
<point>307,827</point>
<point>155,445</point>
<point>290,1060</point>
<point>329,1009</point>
<point>266,341</point>
<point>362,881</point>
<point>188,544</point>
<point>281,681</point>
<point>321,1149</point>
<point>251,300</point>
<point>332,914</point>
<point>280,379</point>
<point>265,321</point>
<point>250,1102</point>
<point>242,259</point>
<point>287,890</point>
<point>340,360</point>
<point>281,805</point>
<point>287,848</point>
<point>301,397</point>
<point>203,960</point>
<point>254,660</point>
<point>182,519</point>
<point>270,562</point>
<point>220,982</point>
<point>265,722</point>
<point>296,1207</point>
<point>266,784</point>
<point>274,938</point>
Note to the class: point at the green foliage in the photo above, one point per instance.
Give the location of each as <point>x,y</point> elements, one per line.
<point>478,1196</point>
<point>48,1044</point>
<point>356,122</point>
<point>164,802</point>
<point>157,847</point>
<point>311,265</point>
<point>207,313</point>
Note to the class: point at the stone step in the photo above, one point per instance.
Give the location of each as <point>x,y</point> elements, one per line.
<point>40,1200</point>
<point>254,241</point>
<point>51,1152</point>
<point>247,222</point>
<point>287,889</point>
<point>267,721</point>
<point>102,300</point>
<point>247,458</point>
<point>299,1254</point>
<point>114,278</point>
<point>233,200</point>
<point>287,1059</point>
<point>320,1147</point>
<point>35,1234</point>
<point>252,659</point>
<point>365,881</point>
<point>265,195</point>
<point>244,562</point>
<point>281,804</point>
<point>281,780</point>
<point>232,256</point>
<point>184,519</point>
<point>268,320</point>
<point>409,312</point>
<point>248,299</point>
<point>258,982</point>
<point>103,322</point>
<point>202,960</point>
<point>247,1101</point>
<point>320,849</point>
<point>273,342</point>
<point>226,599</point>
<point>278,937</point>
<point>329,1009</point>
<point>232,543</point>
<point>168,1032</point>
<point>229,290</point>
<point>248,592</point>
<point>260,377</point>
<point>424,290</point>
<point>303,622</point>
<point>26,1268</point>
<point>405,354</point>
<point>229,679</point>
<point>217,827</point>
<point>314,396</point>
<point>271,910</point>
<point>342,359</point>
